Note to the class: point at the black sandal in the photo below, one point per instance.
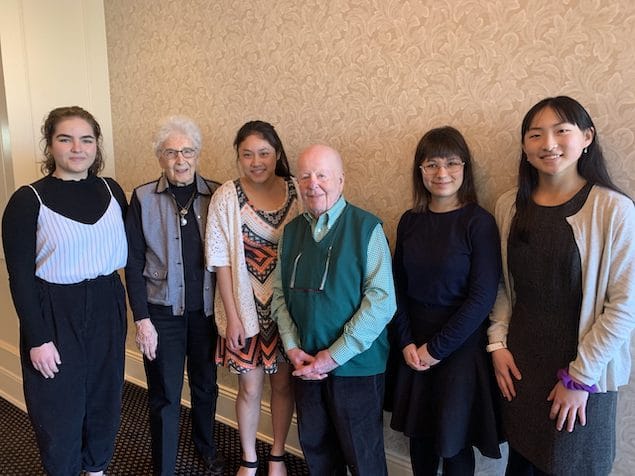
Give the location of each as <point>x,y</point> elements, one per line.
<point>276,459</point>
<point>249,464</point>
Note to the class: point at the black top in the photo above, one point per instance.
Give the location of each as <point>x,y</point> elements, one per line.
<point>446,260</point>
<point>191,249</point>
<point>84,201</point>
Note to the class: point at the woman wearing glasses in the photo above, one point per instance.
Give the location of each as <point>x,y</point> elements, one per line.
<point>564,316</point>
<point>171,294</point>
<point>246,219</point>
<point>446,268</point>
<point>64,241</point>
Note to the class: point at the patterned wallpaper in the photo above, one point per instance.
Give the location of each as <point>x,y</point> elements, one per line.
<point>370,77</point>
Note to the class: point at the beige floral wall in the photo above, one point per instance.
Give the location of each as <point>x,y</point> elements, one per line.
<point>369,77</point>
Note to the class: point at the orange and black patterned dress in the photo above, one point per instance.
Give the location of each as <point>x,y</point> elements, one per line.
<point>261,231</point>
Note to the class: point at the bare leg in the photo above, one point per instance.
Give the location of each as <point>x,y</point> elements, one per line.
<point>248,413</point>
<point>282,404</point>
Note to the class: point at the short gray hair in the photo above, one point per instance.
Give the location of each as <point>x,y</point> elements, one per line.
<point>180,125</point>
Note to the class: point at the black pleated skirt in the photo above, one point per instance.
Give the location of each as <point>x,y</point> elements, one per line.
<point>453,403</point>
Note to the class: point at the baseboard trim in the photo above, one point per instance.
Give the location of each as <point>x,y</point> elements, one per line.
<point>11,375</point>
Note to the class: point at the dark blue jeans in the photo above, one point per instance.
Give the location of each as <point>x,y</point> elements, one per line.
<point>340,425</point>
<point>192,335</point>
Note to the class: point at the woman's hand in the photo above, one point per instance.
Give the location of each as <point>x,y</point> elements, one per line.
<point>411,357</point>
<point>505,368</point>
<point>299,358</point>
<point>425,358</point>
<point>567,405</point>
<point>45,359</point>
<point>418,359</point>
<point>147,338</point>
<point>235,334</point>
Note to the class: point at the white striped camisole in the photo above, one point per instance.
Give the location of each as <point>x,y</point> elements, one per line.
<point>69,252</point>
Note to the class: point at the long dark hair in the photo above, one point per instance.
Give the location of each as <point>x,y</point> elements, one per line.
<point>58,115</point>
<point>268,133</point>
<point>591,165</point>
<point>442,142</point>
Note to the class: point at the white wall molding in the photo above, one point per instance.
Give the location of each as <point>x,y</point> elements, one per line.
<point>11,375</point>
<point>34,36</point>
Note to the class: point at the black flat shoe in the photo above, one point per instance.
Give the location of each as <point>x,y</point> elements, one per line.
<point>214,465</point>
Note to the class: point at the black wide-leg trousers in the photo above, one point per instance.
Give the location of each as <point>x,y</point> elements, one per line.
<point>76,414</point>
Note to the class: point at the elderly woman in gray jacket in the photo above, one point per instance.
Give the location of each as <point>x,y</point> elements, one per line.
<point>171,294</point>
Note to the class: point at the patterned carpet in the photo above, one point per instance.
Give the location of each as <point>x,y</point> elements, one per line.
<point>19,455</point>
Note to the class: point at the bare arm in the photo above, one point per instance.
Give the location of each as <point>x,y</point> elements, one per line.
<point>235,334</point>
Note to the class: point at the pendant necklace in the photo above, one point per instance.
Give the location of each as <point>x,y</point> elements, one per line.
<point>183,210</point>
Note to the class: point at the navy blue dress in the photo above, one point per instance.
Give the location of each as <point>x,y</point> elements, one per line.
<point>446,268</point>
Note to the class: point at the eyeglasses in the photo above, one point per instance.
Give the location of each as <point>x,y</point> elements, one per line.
<point>432,168</point>
<point>186,152</point>
<point>322,281</point>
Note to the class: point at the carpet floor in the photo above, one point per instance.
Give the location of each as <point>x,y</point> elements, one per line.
<point>19,455</point>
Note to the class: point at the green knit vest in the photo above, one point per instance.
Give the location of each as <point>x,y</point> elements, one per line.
<point>328,280</point>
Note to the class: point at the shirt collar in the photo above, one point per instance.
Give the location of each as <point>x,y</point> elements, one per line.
<point>330,216</point>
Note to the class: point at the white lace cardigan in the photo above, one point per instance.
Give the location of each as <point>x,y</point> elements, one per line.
<point>224,247</point>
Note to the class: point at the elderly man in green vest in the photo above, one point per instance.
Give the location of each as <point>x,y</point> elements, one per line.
<point>333,298</point>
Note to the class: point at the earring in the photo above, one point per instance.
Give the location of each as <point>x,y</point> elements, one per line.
<point>586,149</point>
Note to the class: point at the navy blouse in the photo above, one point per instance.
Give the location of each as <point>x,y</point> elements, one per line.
<point>446,260</point>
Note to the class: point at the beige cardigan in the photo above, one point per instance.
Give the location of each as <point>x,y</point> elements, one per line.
<point>604,232</point>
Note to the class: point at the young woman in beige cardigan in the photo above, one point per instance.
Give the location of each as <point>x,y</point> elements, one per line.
<point>562,321</point>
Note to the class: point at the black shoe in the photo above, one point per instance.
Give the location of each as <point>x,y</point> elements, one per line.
<point>214,465</point>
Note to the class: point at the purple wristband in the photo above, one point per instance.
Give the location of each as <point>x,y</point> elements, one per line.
<point>569,383</point>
